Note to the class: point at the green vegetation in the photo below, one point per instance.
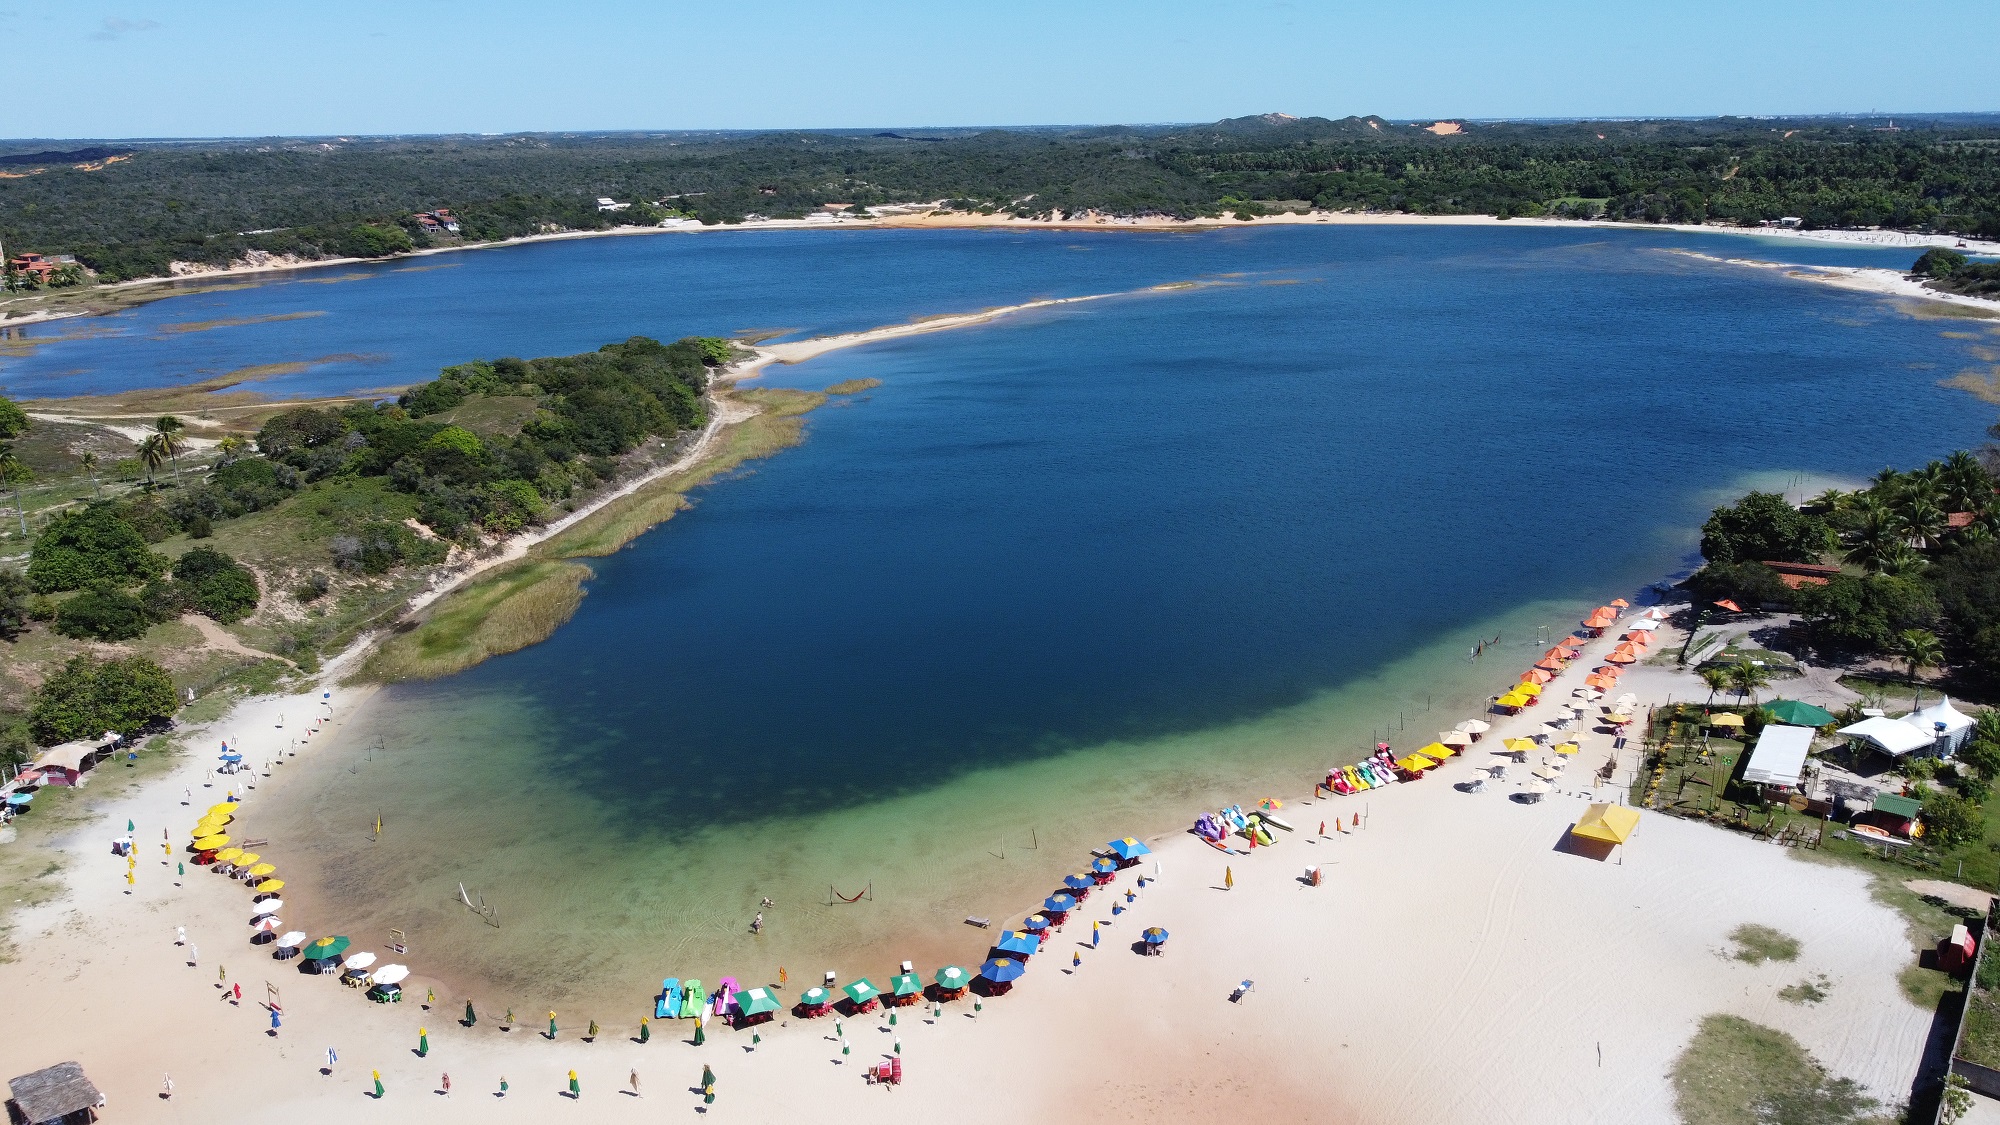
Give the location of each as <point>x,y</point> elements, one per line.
<point>1981,1040</point>
<point>1758,944</point>
<point>1812,990</point>
<point>1735,1072</point>
<point>87,697</point>
<point>93,545</point>
<point>1952,272</point>
<point>498,613</point>
<point>192,201</point>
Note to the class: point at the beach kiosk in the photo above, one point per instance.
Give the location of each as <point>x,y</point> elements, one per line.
<point>1892,737</point>
<point>53,1094</point>
<point>1780,757</point>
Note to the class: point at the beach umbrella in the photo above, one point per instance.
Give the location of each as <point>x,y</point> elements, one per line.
<point>700,1031</point>
<point>756,1002</point>
<point>1416,763</point>
<point>906,984</point>
<point>1544,772</point>
<point>1537,787</point>
<point>1019,941</point>
<point>1270,804</point>
<point>1798,714</point>
<point>1436,750</point>
<point>327,947</point>
<point>231,757</point>
<point>1457,739</point>
<point>1622,655</point>
<point>576,1088</point>
<point>211,825</point>
<point>1549,664</point>
<point>378,1083</point>
<point>211,843</point>
<point>1059,902</point>
<point>1729,605</point>
<point>1000,970</point>
<point>243,859</point>
<point>951,976</point>
<point>1519,744</point>
<point>1644,625</point>
<point>1079,882</point>
<point>423,1042</point>
<point>1128,848</point>
<point>292,940</point>
<point>19,800</point>
<point>358,961</point>
<point>222,809</point>
<point>1035,922</point>
<point>266,925</point>
<point>1567,748</point>
<point>1619,719</point>
<point>1104,866</point>
<point>1534,677</point>
<point>1228,883</point>
<point>1154,935</point>
<point>1588,695</point>
<point>813,997</point>
<point>862,992</point>
<point>262,869</point>
<point>1726,719</point>
<point>1530,690</point>
<point>270,886</point>
<point>1601,682</point>
<point>1475,726</point>
<point>472,1018</point>
<point>228,855</point>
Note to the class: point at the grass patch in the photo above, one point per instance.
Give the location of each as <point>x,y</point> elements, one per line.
<point>1810,991</point>
<point>1735,1072</point>
<point>1758,944</point>
<point>1981,1041</point>
<point>508,610</point>
<point>491,415</point>
<point>853,386</point>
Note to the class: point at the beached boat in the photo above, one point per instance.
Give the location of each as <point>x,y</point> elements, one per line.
<point>1871,834</point>
<point>1277,821</point>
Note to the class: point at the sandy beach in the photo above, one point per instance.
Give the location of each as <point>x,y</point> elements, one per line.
<point>1458,963</point>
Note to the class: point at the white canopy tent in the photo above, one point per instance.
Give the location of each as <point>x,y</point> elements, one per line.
<point>1780,756</point>
<point>1893,737</point>
<point>1943,724</point>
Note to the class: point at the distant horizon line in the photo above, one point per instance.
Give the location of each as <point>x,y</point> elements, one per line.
<point>845,130</point>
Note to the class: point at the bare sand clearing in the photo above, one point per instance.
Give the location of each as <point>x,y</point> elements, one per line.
<point>1459,964</point>
<point>1864,279</point>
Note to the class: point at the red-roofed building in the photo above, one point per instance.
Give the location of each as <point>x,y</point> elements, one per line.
<point>35,266</point>
<point>1959,519</point>
<point>1795,575</point>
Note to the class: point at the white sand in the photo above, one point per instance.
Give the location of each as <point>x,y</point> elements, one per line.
<point>1864,279</point>
<point>1458,965</point>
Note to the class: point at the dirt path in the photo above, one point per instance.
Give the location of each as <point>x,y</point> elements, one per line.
<point>218,637</point>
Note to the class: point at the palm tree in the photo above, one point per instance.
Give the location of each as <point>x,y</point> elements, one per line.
<point>1967,485</point>
<point>1716,678</point>
<point>1830,501</point>
<point>153,454</point>
<point>1923,514</point>
<point>1919,649</point>
<point>89,463</point>
<point>229,447</point>
<point>168,430</point>
<point>1876,540</point>
<point>1748,679</point>
<point>14,472</point>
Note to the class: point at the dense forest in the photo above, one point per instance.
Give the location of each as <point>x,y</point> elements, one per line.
<point>128,211</point>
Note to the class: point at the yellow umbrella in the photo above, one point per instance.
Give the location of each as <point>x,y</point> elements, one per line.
<point>1567,748</point>
<point>223,809</point>
<point>1619,719</point>
<point>1416,763</point>
<point>1512,700</point>
<point>269,885</point>
<point>209,826</point>
<point>1519,744</point>
<point>1726,719</point>
<point>228,855</point>
<point>210,843</point>
<point>1527,689</point>
<point>1613,824</point>
<point>262,869</point>
<point>1437,750</point>
<point>243,859</point>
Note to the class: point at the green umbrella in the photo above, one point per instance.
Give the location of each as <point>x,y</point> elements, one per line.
<point>843,1046</point>
<point>552,1025</point>
<point>423,1042</point>
<point>1798,714</point>
<point>592,1033</point>
<point>707,1076</point>
<point>756,1001</point>
<point>378,1083</point>
<point>645,1031</point>
<point>755,1039</point>
<point>700,1034</point>
<point>326,947</point>
<point>905,984</point>
<point>470,1018</point>
<point>862,991</point>
<point>951,976</point>
<point>575,1087</point>
<point>892,1019</point>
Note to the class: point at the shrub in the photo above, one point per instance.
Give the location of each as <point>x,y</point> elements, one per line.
<point>1762,527</point>
<point>87,697</point>
<point>88,546</point>
<point>1938,262</point>
<point>103,613</point>
<point>312,587</point>
<point>198,527</point>
<point>216,585</point>
<point>378,545</point>
<point>1865,613</point>
<point>14,602</point>
<point>1950,821</point>
<point>1750,583</point>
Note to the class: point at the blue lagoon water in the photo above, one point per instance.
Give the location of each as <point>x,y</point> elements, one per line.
<point>1066,576</point>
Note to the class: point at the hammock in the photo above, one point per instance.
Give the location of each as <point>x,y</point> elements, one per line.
<point>844,898</point>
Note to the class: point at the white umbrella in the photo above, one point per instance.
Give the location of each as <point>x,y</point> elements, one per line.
<point>1588,695</point>
<point>1537,787</point>
<point>1551,729</point>
<point>1544,772</point>
<point>1645,625</point>
<point>292,939</point>
<point>268,906</point>
<point>266,924</point>
<point>1454,738</point>
<point>391,974</point>
<point>358,961</point>
<point>1475,726</point>
<point>1627,699</point>
<point>1655,614</point>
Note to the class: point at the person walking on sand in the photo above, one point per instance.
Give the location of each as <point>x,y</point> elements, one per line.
<point>447,1084</point>
<point>167,1087</point>
<point>194,956</point>
<point>180,935</point>
<point>503,1085</point>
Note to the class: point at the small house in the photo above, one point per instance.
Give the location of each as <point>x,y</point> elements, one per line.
<point>606,203</point>
<point>36,266</point>
<point>56,1095</point>
<point>1893,737</point>
<point>1780,757</point>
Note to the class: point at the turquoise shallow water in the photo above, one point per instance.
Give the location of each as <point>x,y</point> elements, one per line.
<point>1074,574</point>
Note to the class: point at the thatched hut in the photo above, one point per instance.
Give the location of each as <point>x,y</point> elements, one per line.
<point>56,1095</point>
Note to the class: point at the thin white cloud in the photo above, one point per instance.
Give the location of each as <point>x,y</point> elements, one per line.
<point>117,27</point>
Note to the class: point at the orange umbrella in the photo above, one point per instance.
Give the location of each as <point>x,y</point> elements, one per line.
<point>1611,670</point>
<point>1640,639</point>
<point>1601,683</point>
<point>1623,657</point>
<point>1572,641</point>
<point>1536,676</point>
<point>1621,603</point>
<point>1560,653</point>
<point>1550,666</point>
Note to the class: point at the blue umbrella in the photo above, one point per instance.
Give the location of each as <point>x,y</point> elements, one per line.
<point>1019,941</point>
<point>1155,936</point>
<point>19,798</point>
<point>231,757</point>
<point>1060,903</point>
<point>1103,866</point>
<point>1000,970</point>
<point>1079,882</point>
<point>1128,848</point>
<point>1035,923</point>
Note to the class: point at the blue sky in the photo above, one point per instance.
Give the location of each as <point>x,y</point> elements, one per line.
<point>135,68</point>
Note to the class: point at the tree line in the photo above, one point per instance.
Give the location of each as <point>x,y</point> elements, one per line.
<point>215,202</point>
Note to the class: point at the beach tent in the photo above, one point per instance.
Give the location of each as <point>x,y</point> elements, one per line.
<point>862,992</point>
<point>1780,756</point>
<point>1726,719</point>
<point>1613,824</point>
<point>1947,728</point>
<point>755,1002</point>
<point>905,984</point>
<point>1891,736</point>
<point>1798,714</point>
<point>1128,848</point>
